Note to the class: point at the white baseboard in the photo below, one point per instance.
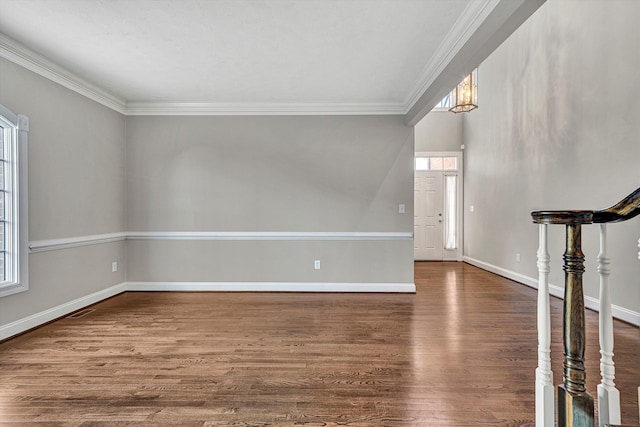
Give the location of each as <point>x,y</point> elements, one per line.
<point>618,312</point>
<point>37,319</point>
<point>272,287</point>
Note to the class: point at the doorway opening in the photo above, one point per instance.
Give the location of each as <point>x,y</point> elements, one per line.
<point>437,223</point>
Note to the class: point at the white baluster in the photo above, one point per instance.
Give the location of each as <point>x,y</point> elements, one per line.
<point>545,408</point>
<point>608,395</point>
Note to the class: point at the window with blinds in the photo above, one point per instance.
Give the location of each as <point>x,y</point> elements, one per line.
<point>14,266</point>
<point>3,216</point>
<point>8,211</point>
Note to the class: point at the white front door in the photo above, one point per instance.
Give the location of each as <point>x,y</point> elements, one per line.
<point>428,210</point>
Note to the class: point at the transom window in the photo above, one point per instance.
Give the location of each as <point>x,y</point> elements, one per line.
<point>436,163</point>
<point>445,103</point>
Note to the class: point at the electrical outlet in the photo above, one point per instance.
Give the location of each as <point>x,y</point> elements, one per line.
<point>401,208</point>
<point>316,264</point>
<point>472,208</point>
<point>517,257</point>
<point>114,267</point>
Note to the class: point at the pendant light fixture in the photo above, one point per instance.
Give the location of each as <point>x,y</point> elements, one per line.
<point>464,97</point>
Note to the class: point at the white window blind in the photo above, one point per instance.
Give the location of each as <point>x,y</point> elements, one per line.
<point>450,228</point>
<point>14,265</point>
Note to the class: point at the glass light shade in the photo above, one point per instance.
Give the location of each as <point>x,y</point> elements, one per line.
<point>464,97</point>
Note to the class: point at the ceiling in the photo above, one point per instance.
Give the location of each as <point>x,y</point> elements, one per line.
<point>375,56</point>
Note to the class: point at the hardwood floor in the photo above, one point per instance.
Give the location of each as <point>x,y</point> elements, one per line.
<point>460,352</point>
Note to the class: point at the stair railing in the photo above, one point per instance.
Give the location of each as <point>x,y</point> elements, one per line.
<point>575,406</point>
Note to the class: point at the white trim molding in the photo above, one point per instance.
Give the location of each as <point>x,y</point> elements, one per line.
<point>263,109</point>
<point>451,254</point>
<point>38,319</point>
<point>460,35</point>
<point>621,313</point>
<point>23,56</point>
<point>265,235</point>
<point>466,25</point>
<point>32,61</point>
<point>74,242</point>
<point>272,287</point>
<point>96,239</point>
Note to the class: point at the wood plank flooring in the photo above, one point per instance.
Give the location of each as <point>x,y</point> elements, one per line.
<point>460,352</point>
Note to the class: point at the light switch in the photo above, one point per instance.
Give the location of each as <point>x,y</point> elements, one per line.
<point>401,208</point>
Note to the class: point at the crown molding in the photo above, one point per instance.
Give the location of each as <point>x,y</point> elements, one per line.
<point>248,109</point>
<point>468,22</point>
<point>21,55</point>
<point>466,25</point>
<point>32,61</point>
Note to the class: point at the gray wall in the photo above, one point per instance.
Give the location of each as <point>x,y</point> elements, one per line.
<point>276,174</point>
<point>92,171</point>
<point>440,130</point>
<point>557,129</point>
<point>76,188</point>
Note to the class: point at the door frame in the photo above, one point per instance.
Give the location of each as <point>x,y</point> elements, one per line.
<point>450,254</point>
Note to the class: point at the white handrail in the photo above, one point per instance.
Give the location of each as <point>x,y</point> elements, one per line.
<point>545,408</point>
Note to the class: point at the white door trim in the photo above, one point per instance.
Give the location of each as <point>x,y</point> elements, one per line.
<point>460,193</point>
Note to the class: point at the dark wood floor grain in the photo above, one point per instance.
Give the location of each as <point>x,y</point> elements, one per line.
<point>460,352</point>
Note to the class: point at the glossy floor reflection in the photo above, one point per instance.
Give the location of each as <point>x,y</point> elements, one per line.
<point>460,352</point>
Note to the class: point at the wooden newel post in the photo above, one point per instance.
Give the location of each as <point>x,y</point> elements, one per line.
<point>575,405</point>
